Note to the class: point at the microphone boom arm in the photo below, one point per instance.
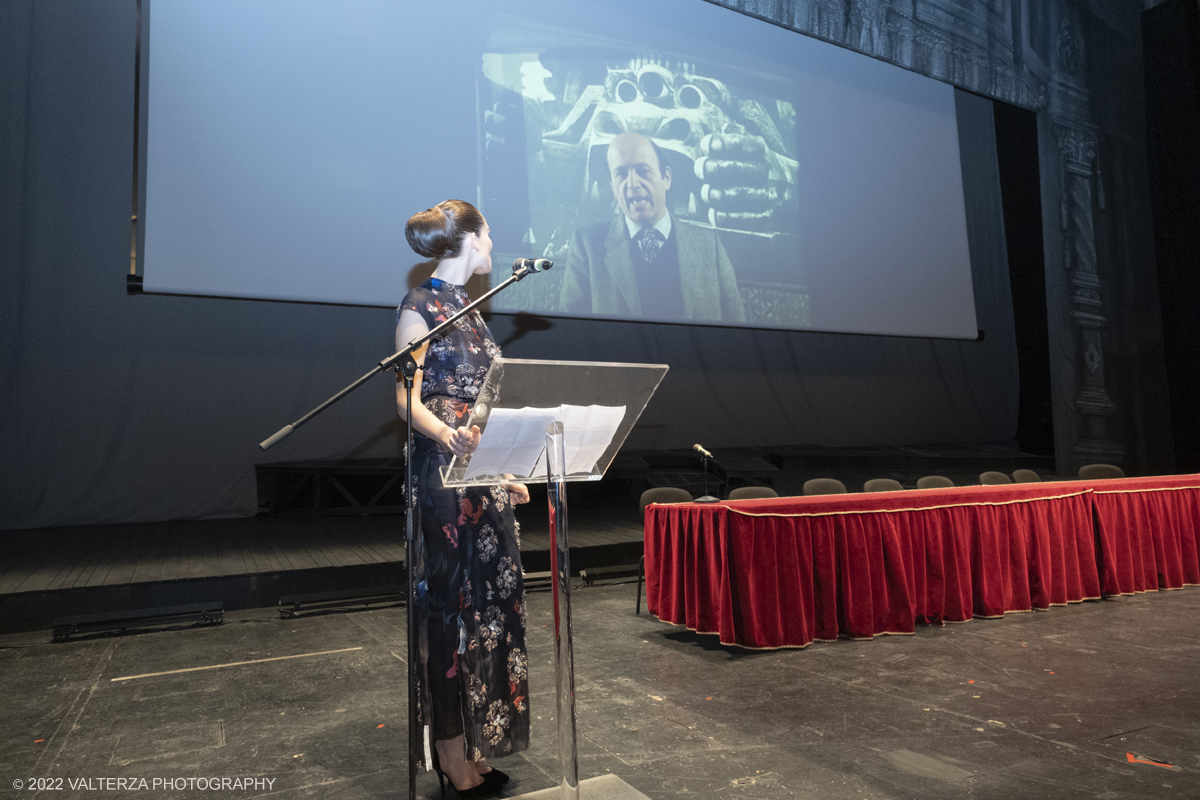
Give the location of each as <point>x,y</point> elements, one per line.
<point>394,361</point>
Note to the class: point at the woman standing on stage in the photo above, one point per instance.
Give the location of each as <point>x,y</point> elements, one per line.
<point>473,691</point>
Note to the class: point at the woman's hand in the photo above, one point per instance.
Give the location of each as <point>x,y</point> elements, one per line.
<point>517,493</point>
<point>461,441</point>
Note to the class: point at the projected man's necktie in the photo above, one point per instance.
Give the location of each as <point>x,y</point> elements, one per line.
<point>650,241</point>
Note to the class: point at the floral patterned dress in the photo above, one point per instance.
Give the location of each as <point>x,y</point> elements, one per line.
<point>473,671</point>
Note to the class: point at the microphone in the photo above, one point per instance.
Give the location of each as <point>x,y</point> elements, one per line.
<point>706,498</point>
<point>532,264</point>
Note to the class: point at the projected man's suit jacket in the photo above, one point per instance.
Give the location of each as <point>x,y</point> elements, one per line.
<point>600,275</point>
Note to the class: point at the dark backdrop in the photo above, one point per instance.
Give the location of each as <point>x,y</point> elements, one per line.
<point>1017,157</point>
<point>1172,51</point>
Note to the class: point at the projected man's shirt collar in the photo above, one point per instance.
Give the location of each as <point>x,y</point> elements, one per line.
<point>663,226</point>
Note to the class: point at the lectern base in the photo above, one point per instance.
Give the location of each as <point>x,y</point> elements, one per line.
<point>606,787</point>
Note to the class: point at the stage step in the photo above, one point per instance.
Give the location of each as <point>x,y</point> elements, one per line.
<point>141,619</point>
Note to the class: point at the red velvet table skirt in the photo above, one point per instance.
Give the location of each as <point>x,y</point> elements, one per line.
<point>785,572</point>
<point>1148,532</point>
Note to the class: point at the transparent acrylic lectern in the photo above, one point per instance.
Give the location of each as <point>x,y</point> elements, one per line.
<point>559,421</point>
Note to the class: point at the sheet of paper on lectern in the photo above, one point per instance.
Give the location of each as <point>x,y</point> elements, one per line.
<point>587,433</point>
<point>514,440</point>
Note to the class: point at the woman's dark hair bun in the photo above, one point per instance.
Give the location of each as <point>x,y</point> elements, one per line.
<point>438,232</point>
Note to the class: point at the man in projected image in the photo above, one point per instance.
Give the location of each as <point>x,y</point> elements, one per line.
<point>644,263</point>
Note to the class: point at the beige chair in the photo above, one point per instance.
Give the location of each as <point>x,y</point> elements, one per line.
<point>993,478</point>
<point>1026,476</point>
<point>662,494</point>
<point>1100,472</point>
<point>823,486</point>
<point>934,482</point>
<point>883,485</point>
<point>752,493</point>
<point>659,494</point>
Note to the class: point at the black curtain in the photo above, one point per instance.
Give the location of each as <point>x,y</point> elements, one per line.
<point>1020,187</point>
<point>1171,42</point>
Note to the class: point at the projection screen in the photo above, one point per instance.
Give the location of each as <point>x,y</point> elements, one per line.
<point>804,186</point>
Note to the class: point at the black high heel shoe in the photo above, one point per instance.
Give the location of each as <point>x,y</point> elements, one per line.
<point>493,781</point>
<point>497,775</point>
<point>501,777</point>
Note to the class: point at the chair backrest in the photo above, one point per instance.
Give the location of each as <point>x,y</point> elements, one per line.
<point>824,486</point>
<point>993,478</point>
<point>1026,476</point>
<point>662,494</point>
<point>883,485</point>
<point>752,492</point>
<point>934,482</point>
<point>1099,472</point>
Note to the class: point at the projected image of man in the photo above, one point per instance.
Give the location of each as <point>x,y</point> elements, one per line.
<point>644,262</point>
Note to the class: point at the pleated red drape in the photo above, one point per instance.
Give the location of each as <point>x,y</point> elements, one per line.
<point>786,572</point>
<point>1148,533</point>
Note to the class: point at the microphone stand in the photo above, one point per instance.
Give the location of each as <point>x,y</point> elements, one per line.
<point>404,363</point>
<point>707,498</point>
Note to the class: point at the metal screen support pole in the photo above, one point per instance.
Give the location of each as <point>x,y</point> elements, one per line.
<point>560,566</point>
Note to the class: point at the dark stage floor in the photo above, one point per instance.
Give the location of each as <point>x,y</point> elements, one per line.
<point>1038,705</point>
